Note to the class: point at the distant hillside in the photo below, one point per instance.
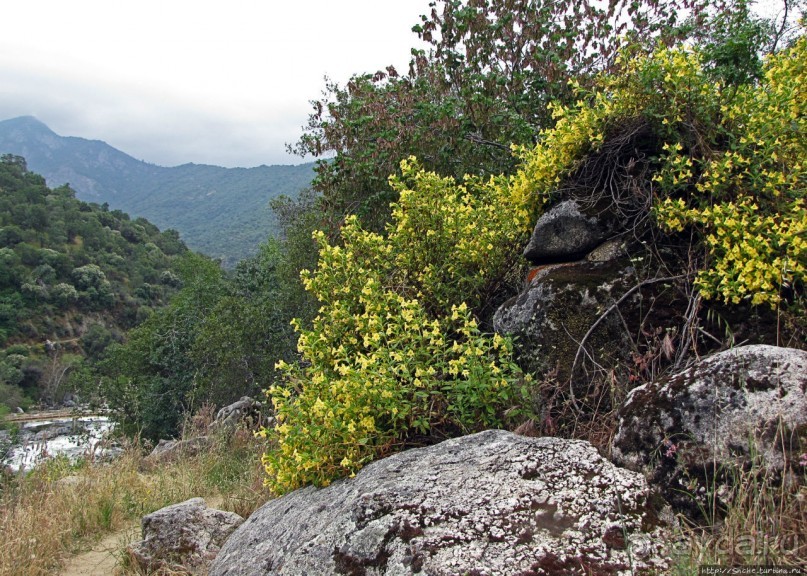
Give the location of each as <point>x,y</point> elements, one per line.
<point>73,274</point>
<point>222,212</point>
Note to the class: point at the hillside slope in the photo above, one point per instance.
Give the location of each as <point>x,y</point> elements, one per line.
<point>73,278</point>
<point>223,212</point>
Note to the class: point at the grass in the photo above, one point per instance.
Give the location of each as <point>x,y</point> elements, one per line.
<point>52,512</point>
<point>763,523</point>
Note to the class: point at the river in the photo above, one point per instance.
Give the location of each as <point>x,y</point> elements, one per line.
<point>31,439</point>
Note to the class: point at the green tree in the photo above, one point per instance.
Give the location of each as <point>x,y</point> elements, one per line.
<point>151,380</point>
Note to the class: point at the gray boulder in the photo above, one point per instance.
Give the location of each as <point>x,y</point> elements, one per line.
<point>228,417</point>
<point>167,450</point>
<point>688,431</point>
<point>493,503</point>
<point>553,314</point>
<point>183,538</point>
<point>564,234</point>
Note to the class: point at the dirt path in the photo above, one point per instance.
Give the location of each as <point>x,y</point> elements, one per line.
<point>104,557</point>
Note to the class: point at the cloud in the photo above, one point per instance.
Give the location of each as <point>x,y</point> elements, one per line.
<point>185,81</point>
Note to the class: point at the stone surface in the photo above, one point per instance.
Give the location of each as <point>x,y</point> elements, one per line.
<point>609,250</point>
<point>552,315</point>
<point>184,537</point>
<point>167,450</point>
<point>564,234</point>
<point>694,426</point>
<point>493,503</point>
<point>245,410</point>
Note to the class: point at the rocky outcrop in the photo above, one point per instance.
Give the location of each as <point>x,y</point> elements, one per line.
<point>564,234</point>
<point>584,308</point>
<point>553,314</point>
<point>183,538</point>
<point>685,431</point>
<point>488,504</point>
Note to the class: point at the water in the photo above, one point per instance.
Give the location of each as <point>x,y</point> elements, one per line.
<point>73,437</point>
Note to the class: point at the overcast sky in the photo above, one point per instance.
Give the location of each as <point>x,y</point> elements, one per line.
<point>175,81</point>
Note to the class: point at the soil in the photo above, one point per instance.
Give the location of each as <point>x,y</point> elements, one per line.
<point>103,559</point>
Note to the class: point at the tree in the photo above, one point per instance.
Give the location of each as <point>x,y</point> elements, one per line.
<point>485,83</point>
<point>151,380</point>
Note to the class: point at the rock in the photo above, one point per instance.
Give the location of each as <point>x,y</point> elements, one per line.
<point>228,417</point>
<point>564,234</point>
<point>167,450</point>
<point>703,423</point>
<point>550,318</point>
<point>20,410</point>
<point>184,537</point>
<point>71,400</point>
<point>610,250</point>
<point>493,503</point>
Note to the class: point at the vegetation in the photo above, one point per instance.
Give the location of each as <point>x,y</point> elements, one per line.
<point>53,511</point>
<point>516,105</point>
<point>216,341</point>
<point>74,277</point>
<point>221,212</point>
<point>492,70</point>
<point>396,350</point>
<point>360,387</point>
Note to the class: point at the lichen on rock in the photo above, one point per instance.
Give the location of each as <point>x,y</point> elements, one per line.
<point>492,503</point>
<point>743,406</point>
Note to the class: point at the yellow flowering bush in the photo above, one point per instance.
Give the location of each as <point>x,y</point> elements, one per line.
<point>731,161</point>
<point>396,351</point>
<point>747,196</point>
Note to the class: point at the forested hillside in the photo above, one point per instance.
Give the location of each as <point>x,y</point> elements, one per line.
<point>222,212</point>
<point>74,277</point>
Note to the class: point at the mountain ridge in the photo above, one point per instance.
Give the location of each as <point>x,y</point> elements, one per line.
<point>223,212</point>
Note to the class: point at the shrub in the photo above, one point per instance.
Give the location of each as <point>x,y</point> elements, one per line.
<point>748,197</point>
<point>396,351</point>
<point>730,162</point>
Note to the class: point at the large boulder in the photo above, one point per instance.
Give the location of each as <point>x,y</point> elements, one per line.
<point>689,431</point>
<point>183,538</point>
<point>561,303</point>
<point>493,503</point>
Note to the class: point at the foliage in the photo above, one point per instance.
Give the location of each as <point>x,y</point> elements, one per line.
<point>396,351</point>
<point>66,266</point>
<point>149,382</point>
<point>486,81</point>
<point>728,160</point>
<point>247,330</point>
<point>748,197</point>
<point>217,340</point>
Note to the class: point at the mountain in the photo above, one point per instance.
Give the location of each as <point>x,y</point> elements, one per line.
<point>222,212</point>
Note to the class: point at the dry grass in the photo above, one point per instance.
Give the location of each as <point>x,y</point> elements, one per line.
<point>765,523</point>
<point>50,513</point>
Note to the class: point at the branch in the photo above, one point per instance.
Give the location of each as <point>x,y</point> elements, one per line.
<point>476,138</point>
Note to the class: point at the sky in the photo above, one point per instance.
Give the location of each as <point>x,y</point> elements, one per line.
<point>177,81</point>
